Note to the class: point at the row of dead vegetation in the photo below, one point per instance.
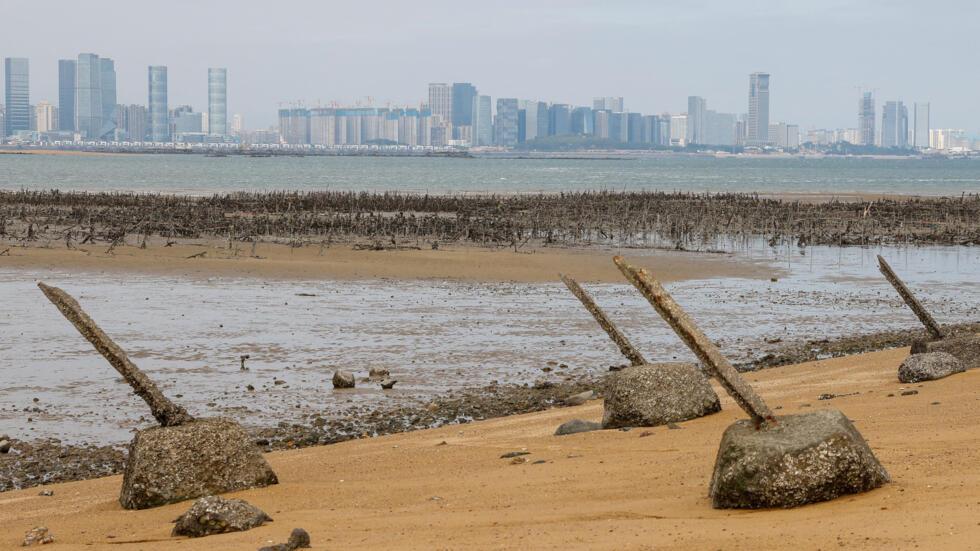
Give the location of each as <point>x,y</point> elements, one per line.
<point>661,219</point>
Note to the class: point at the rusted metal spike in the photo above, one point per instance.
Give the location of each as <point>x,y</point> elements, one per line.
<point>703,348</point>
<point>925,317</point>
<point>166,412</point>
<point>628,350</point>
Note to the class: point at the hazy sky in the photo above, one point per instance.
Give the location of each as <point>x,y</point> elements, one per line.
<point>654,53</point>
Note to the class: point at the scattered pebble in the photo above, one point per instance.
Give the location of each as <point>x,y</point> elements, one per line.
<point>37,536</point>
<point>509,455</point>
<point>46,493</point>
<point>909,392</point>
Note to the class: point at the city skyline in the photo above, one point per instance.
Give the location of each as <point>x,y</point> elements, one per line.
<point>536,55</point>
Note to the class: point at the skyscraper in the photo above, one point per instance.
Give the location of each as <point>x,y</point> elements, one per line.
<point>895,125</point>
<point>583,121</point>
<point>608,103</point>
<point>66,94</point>
<point>920,137</point>
<point>482,122</point>
<point>88,96</point>
<point>134,123</point>
<point>506,125</point>
<point>217,101</point>
<point>866,119</point>
<point>18,95</point>
<point>159,115</point>
<point>107,70</point>
<point>463,94</point>
<point>757,131</point>
<point>696,107</point>
<point>559,120</point>
<point>441,101</point>
<point>46,116</point>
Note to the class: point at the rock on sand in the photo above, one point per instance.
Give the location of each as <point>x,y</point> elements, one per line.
<point>200,458</point>
<point>657,394</point>
<point>576,426</point>
<point>966,348</point>
<point>802,459</point>
<point>216,515</point>
<point>343,379</point>
<point>929,366</point>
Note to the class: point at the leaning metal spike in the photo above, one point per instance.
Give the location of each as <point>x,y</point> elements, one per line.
<point>627,348</point>
<point>925,317</point>
<point>692,336</point>
<point>166,412</point>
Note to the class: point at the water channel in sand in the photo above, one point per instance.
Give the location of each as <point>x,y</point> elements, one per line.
<point>434,336</point>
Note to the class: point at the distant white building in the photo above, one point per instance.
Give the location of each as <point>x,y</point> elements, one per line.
<point>678,130</point>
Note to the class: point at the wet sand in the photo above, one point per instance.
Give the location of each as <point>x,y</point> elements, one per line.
<point>600,490</point>
<point>342,262</point>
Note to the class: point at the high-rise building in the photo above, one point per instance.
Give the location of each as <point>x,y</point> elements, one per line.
<point>46,116</point>
<point>482,121</point>
<point>441,100</point>
<point>678,130</point>
<point>600,121</point>
<point>88,96</point>
<point>294,127</point>
<point>133,125</point>
<point>66,94</point>
<point>506,123</point>
<point>635,134</point>
<point>536,119</point>
<point>583,121</point>
<point>757,127</point>
<point>920,136</point>
<point>159,114</point>
<point>237,124</point>
<point>559,120</point>
<point>107,70</point>
<point>866,119</point>
<point>696,107</point>
<point>463,94</point>
<point>895,125</point>
<point>608,103</point>
<point>217,101</point>
<point>719,128</point>
<point>17,92</point>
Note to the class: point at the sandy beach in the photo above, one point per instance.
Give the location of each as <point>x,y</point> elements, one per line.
<point>642,489</point>
<point>342,262</point>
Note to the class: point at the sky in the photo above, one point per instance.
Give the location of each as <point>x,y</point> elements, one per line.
<point>654,53</point>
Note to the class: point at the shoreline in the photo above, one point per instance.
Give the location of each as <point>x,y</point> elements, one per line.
<point>344,261</point>
<point>609,489</point>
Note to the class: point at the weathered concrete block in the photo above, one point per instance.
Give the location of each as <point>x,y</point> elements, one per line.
<point>216,515</point>
<point>657,394</point>
<point>966,348</point>
<point>928,366</point>
<point>196,459</point>
<point>802,459</point>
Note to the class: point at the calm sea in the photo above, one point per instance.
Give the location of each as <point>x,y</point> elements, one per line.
<point>196,174</point>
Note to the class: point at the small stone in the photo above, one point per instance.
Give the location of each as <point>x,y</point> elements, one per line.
<point>378,373</point>
<point>216,515</point>
<point>576,426</point>
<point>388,384</point>
<point>46,493</point>
<point>538,462</point>
<point>646,433</point>
<point>343,379</point>
<point>4,446</point>
<point>673,426</point>
<point>509,455</point>
<point>298,539</point>
<point>278,382</point>
<point>929,366</point>
<point>518,460</point>
<point>37,536</point>
<point>909,392</point>
<point>580,398</point>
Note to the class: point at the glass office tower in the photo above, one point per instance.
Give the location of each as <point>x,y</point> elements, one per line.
<point>17,95</point>
<point>159,116</point>
<point>217,102</point>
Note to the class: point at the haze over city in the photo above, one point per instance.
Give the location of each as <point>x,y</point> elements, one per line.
<point>654,54</point>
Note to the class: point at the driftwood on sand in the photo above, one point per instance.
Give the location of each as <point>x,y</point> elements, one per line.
<point>627,348</point>
<point>692,336</point>
<point>924,316</point>
<point>167,413</point>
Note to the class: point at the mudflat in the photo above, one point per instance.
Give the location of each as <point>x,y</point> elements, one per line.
<point>448,488</point>
<point>207,258</point>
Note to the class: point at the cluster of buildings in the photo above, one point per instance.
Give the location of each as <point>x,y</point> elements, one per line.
<point>455,115</point>
<point>458,115</point>
<point>87,111</point>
